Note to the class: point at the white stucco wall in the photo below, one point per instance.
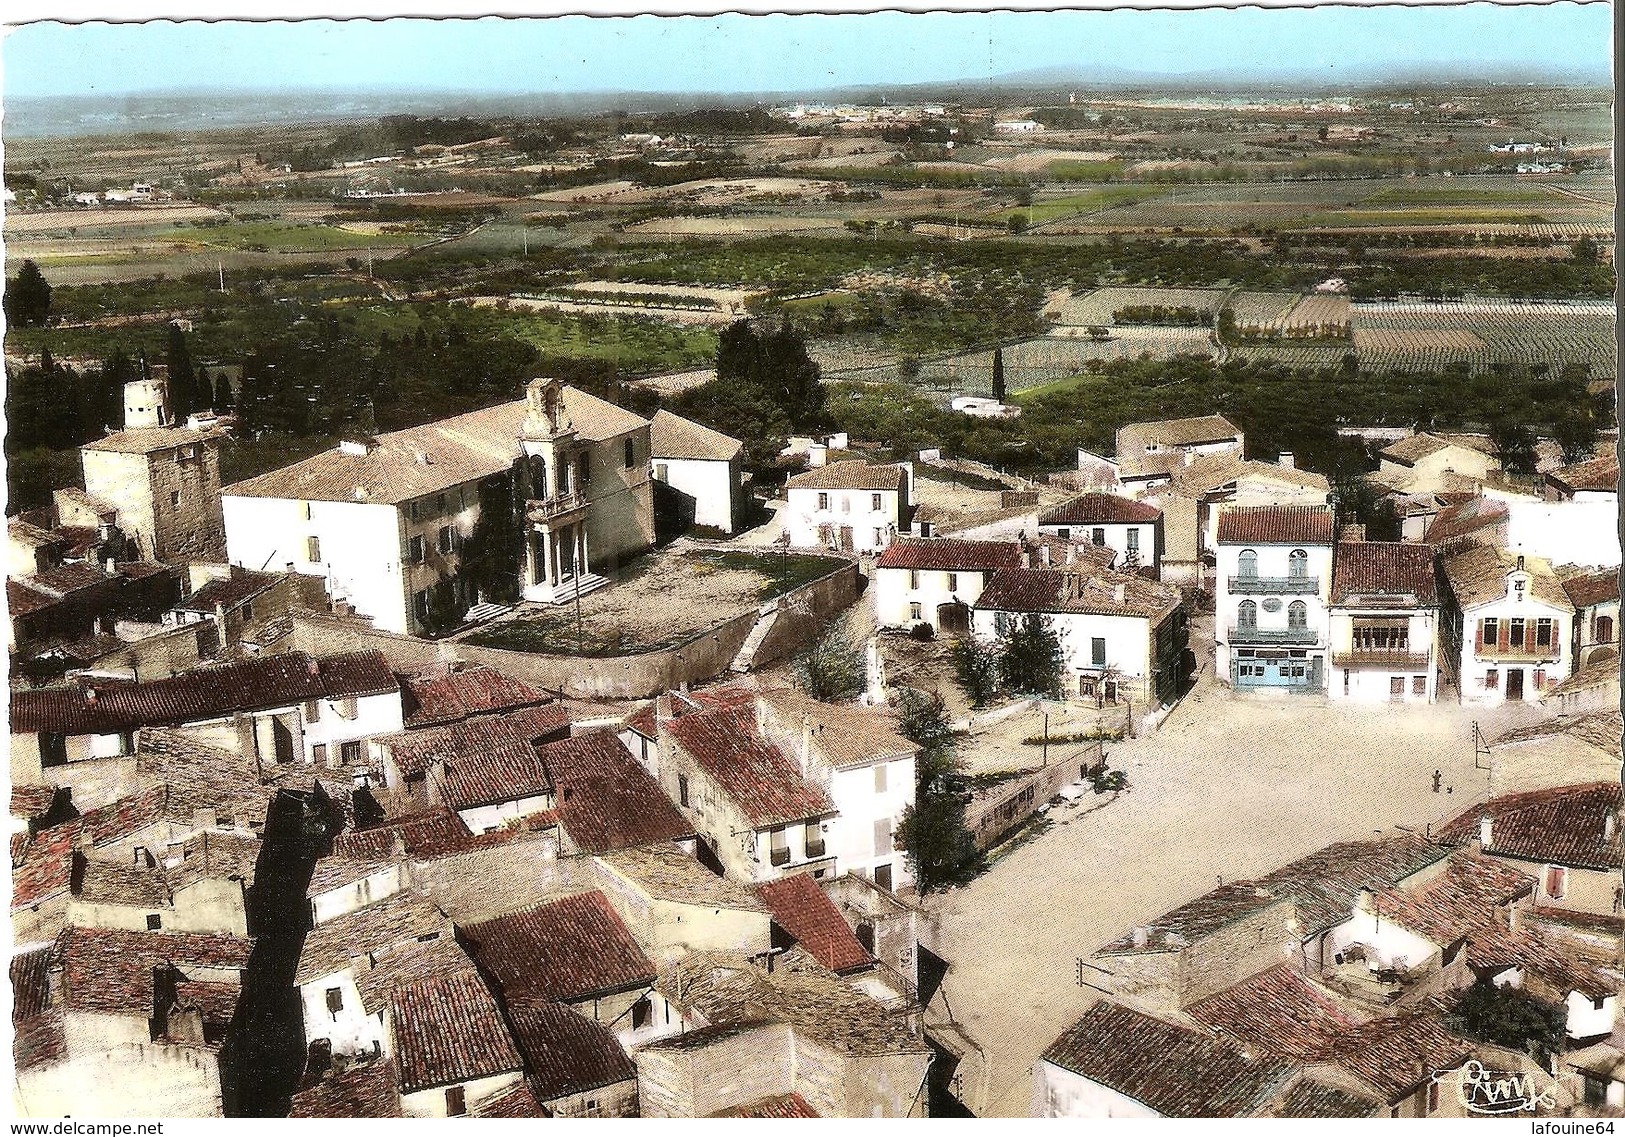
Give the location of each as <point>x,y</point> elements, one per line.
<point>1586,1019</point>
<point>1273,562</point>
<point>1370,683</point>
<point>1115,536</point>
<point>381,885</point>
<point>1386,943</point>
<point>1128,643</point>
<point>1565,532</point>
<point>894,592</point>
<point>851,836</point>
<point>484,818</point>
<point>351,1029</point>
<point>1061,1093</point>
<point>1556,662</point>
<point>846,508</point>
<point>714,486</point>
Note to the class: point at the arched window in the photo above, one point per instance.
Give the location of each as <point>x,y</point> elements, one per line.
<point>1247,615</point>
<point>1297,615</point>
<point>538,475</point>
<point>1247,565</point>
<point>1297,564</point>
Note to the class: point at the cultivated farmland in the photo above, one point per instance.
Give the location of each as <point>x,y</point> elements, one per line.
<point>1481,333</point>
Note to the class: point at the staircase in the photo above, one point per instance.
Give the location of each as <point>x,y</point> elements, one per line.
<point>487,610</point>
<point>747,650</point>
<point>578,585</point>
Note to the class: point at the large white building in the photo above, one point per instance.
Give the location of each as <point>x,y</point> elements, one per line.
<point>1384,623</point>
<point>936,580</point>
<point>1120,634</point>
<point>702,467</point>
<point>384,520</point>
<point>1131,529</point>
<point>1274,578</point>
<point>851,506</point>
<point>1509,626</point>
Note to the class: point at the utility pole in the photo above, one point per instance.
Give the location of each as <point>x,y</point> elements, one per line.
<point>222,266</point>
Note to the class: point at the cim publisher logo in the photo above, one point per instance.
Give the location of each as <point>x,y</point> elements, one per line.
<point>1492,1092</point>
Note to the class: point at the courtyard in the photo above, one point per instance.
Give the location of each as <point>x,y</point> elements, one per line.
<point>1228,788</point>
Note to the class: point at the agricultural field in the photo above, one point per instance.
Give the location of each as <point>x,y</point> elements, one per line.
<point>732,226</point>
<point>1482,333</point>
<point>1046,359</point>
<point>1096,308</point>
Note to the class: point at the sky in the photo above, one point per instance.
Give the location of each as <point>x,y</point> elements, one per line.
<point>777,53</point>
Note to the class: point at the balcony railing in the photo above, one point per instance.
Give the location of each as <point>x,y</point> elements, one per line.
<point>779,857</point>
<point>1403,660</point>
<point>545,509</point>
<point>1280,585</point>
<point>1299,636</point>
<point>1531,653</point>
<point>815,849</point>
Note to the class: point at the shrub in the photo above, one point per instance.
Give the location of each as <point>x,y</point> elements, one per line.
<point>976,665</point>
<point>922,631</point>
<point>832,670</point>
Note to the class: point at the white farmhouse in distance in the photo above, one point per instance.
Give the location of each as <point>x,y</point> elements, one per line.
<point>851,506</point>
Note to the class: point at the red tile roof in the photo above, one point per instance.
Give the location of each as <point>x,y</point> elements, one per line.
<point>605,800</point>
<point>1461,519</point>
<point>570,949</point>
<point>447,1030</point>
<point>478,777</point>
<point>418,830</point>
<point>766,785</point>
<point>1459,901</point>
<point>1568,825</point>
<point>211,692</point>
<point>216,1001</point>
<point>1101,509</point>
<point>42,862</point>
<point>1275,525</point>
<point>565,1051</point>
<point>510,733</point>
<point>518,1100</point>
<point>1597,475</point>
<point>110,971</point>
<point>949,554</point>
<point>1593,588</point>
<point>800,907</point>
<point>1396,1055</point>
<point>1176,1071</point>
<point>1532,949</point>
<point>772,1108</point>
<point>31,801</point>
<point>30,983</point>
<point>366,1091</point>
<point>241,585</point>
<point>1312,1099</point>
<point>1082,589</point>
<point>1383,568</point>
<point>441,695</point>
<point>1277,1011</point>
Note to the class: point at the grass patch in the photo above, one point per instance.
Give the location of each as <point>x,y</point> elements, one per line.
<point>288,237</point>
<point>781,573</point>
<point>1090,201</point>
<point>1385,217</point>
<point>555,634</point>
<point>1067,170</point>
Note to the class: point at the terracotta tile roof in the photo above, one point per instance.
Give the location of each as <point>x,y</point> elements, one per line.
<point>486,743</point>
<point>949,554</point>
<point>42,863</point>
<point>210,692</point>
<point>1312,1099</point>
<point>850,475</point>
<point>1568,825</point>
<point>1383,568</point>
<point>518,1100</point>
<point>772,1108</point>
<point>725,696</point>
<point>449,1029</point>
<point>766,785</point>
<point>570,949</point>
<point>566,1052</point>
<point>800,907</point>
<point>416,831</point>
<point>1081,589</point>
<point>1479,576</point>
<point>1178,431</point>
<point>101,882</point>
<point>457,450</point>
<point>1275,525</point>
<point>1277,1011</point>
<point>216,1001</point>
<point>1602,671</point>
<point>665,872</point>
<point>241,585</point>
<point>365,1091</point>
<point>605,800</point>
<point>336,872</point>
<point>442,694</point>
<point>402,918</point>
<point>380,971</point>
<point>65,580</point>
<point>1171,1069</point>
<point>1462,899</point>
<point>1101,509</point>
<point>147,440</point>
<point>1532,949</point>
<point>1176,929</point>
<point>847,737</point>
<point>1457,522</point>
<point>39,1041</point>
<point>1396,1055</point>
<point>30,983</point>
<point>1209,472</point>
<point>110,971</point>
<point>28,534</point>
<point>1595,474</point>
<point>199,776</point>
<point>478,776</point>
<point>672,436</point>
<point>732,993</point>
<point>1601,729</point>
<point>32,801</point>
<point>1324,885</point>
<point>1593,588</point>
<point>1409,451</point>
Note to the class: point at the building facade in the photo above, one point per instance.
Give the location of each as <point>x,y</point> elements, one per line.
<point>1508,625</point>
<point>1384,623</point>
<point>936,580</point>
<point>851,506</point>
<point>1271,625</point>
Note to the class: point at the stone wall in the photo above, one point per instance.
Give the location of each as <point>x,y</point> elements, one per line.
<point>1237,951</point>
<point>730,1071</point>
<point>990,816</point>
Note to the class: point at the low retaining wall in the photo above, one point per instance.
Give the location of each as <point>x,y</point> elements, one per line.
<point>697,660</point>
<point>1010,803</point>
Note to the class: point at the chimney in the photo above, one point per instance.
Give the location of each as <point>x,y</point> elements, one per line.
<point>1287,461</point>
<point>1071,554</point>
<point>806,742</point>
<point>1520,562</point>
<point>663,709</point>
<point>1485,830</point>
<point>1142,936</point>
<point>288,565</point>
<point>1026,559</point>
<point>1610,826</point>
<point>319,1058</point>
<point>1119,592</point>
<point>313,667</point>
<point>90,696</point>
<point>1043,554</point>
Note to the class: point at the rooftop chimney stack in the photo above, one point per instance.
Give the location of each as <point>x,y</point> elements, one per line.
<point>1485,831</point>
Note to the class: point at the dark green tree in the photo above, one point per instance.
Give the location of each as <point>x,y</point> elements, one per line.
<point>774,361</point>
<point>1514,445</point>
<point>182,382</point>
<point>1509,1017</point>
<point>494,550</point>
<point>832,670</point>
<point>976,666</point>
<point>998,374</point>
<point>932,834</point>
<point>1031,660</point>
<point>28,296</point>
<point>1576,432</point>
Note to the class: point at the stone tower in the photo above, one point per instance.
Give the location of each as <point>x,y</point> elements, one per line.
<point>163,480</point>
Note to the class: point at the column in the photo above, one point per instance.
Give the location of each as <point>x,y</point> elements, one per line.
<point>581,550</point>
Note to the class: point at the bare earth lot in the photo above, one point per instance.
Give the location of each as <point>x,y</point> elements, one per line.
<point>1229,787</point>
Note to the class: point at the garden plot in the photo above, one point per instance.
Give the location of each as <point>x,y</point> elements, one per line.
<point>731,226</point>
<point>1095,309</point>
<point>1480,333</point>
<point>91,220</point>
